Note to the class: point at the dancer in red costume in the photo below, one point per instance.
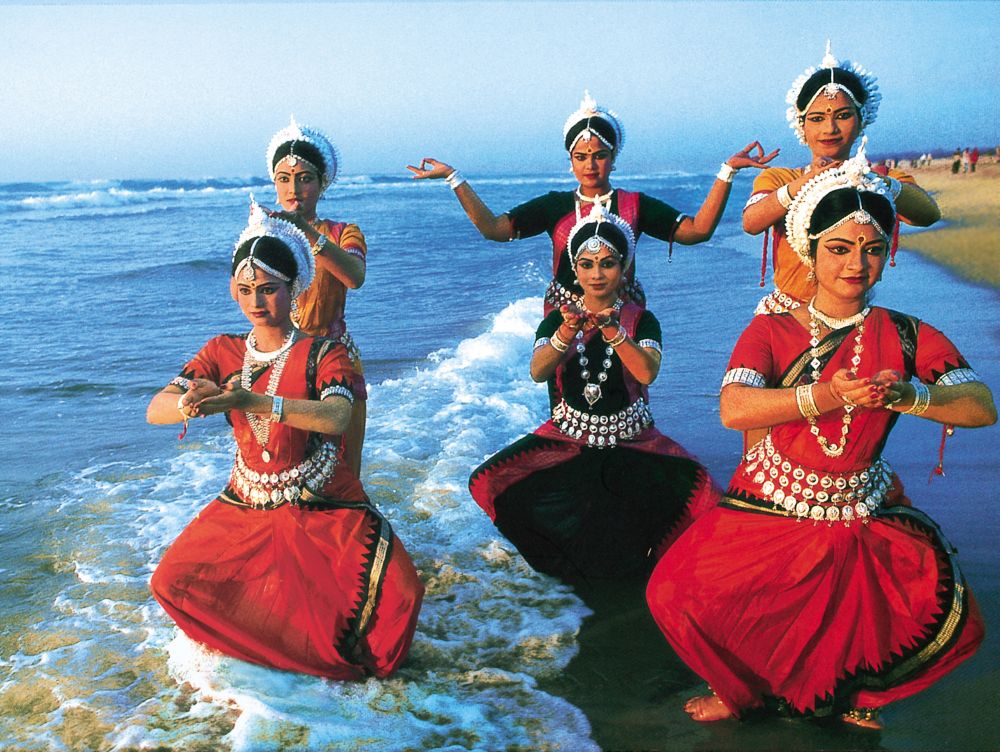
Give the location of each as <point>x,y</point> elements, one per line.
<point>291,566</point>
<point>815,588</point>
<point>303,163</point>
<point>596,493</point>
<point>594,138</point>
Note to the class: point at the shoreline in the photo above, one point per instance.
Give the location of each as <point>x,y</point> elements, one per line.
<point>967,238</point>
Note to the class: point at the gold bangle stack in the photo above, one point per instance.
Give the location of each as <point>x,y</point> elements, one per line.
<point>806,402</point>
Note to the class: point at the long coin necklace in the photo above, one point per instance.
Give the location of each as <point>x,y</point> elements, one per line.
<point>592,392</point>
<point>858,320</point>
<point>253,357</point>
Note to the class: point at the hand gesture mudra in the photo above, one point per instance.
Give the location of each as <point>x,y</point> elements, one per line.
<point>752,155</point>
<point>430,169</point>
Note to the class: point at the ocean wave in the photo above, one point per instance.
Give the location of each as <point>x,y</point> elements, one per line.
<point>103,661</point>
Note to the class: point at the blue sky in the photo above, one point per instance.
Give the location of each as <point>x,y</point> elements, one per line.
<point>196,90</point>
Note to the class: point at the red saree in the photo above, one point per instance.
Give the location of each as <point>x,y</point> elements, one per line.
<point>317,583</point>
<point>813,612</point>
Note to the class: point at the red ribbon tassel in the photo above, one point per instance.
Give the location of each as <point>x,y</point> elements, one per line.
<point>946,431</point>
<point>895,244</point>
<point>763,258</point>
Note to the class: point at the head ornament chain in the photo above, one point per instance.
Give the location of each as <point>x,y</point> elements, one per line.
<point>589,110</point>
<point>590,224</point>
<point>854,173</point>
<point>260,224</point>
<point>295,132</point>
<point>868,110</point>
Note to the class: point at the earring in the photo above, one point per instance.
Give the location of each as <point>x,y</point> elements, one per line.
<point>811,276</point>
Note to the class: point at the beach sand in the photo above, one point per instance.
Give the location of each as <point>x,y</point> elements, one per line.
<point>632,687</point>
<point>968,242</point>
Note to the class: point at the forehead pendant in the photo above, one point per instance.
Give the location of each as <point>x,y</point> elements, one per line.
<point>248,271</point>
<point>594,245</point>
<point>830,90</point>
<point>292,159</point>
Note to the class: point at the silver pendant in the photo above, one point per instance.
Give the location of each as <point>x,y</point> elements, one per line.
<point>265,455</point>
<point>591,393</point>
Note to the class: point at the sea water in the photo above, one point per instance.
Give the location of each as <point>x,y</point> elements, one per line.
<point>110,286</point>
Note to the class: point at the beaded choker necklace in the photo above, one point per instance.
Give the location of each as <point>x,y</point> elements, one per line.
<point>261,427</point>
<point>832,323</point>
<point>834,450</point>
<point>603,200</point>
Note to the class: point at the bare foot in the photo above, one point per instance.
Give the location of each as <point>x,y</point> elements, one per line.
<point>707,708</point>
<point>866,718</point>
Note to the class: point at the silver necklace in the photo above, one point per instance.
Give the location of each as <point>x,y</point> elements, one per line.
<point>261,427</point>
<point>592,392</point>
<point>603,200</point>
<point>833,323</point>
<point>833,450</point>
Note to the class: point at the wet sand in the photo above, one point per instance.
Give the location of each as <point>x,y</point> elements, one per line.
<point>968,241</point>
<point>630,684</point>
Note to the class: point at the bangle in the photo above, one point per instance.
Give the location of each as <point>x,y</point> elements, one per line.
<point>783,196</point>
<point>921,399</point>
<point>454,180</point>
<point>180,405</point>
<point>726,173</point>
<point>617,339</point>
<point>806,401</point>
<point>319,245</point>
<point>277,409</point>
<point>558,343</point>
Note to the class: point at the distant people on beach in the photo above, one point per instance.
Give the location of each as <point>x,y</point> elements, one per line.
<point>966,160</point>
<point>815,588</point>
<point>303,164</point>
<point>593,137</point>
<point>973,159</point>
<point>829,108</point>
<point>596,493</point>
<point>291,566</point>
<point>956,161</point>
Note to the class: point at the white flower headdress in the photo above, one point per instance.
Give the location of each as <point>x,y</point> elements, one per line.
<point>295,132</point>
<point>589,110</point>
<point>260,225</point>
<point>868,110</point>
<point>854,173</point>
<point>591,224</point>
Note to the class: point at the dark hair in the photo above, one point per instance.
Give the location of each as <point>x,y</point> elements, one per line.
<point>822,77</point>
<point>270,251</point>
<point>607,232</point>
<point>842,202</point>
<point>303,149</point>
<point>595,124</point>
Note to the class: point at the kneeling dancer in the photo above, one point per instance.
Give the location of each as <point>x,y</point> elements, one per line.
<point>291,566</point>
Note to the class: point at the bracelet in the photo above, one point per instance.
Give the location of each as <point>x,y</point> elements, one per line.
<point>180,405</point>
<point>783,196</point>
<point>921,399</point>
<point>277,409</point>
<point>558,343</point>
<point>727,172</point>
<point>617,339</point>
<point>806,402</point>
<point>319,245</point>
<point>454,180</point>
